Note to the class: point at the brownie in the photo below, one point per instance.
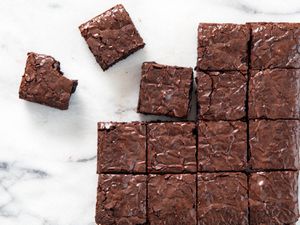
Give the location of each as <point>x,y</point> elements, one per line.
<point>274,144</point>
<point>273,198</point>
<point>111,36</point>
<point>44,83</point>
<point>223,46</point>
<point>171,147</point>
<point>165,90</point>
<point>274,94</point>
<point>222,146</point>
<point>121,199</point>
<point>275,45</point>
<point>172,199</point>
<point>222,199</point>
<point>121,147</point>
<point>221,95</point>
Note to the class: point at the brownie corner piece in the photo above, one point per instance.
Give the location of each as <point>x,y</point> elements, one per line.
<point>223,46</point>
<point>165,90</point>
<point>121,147</point>
<point>273,197</point>
<point>121,199</point>
<point>111,36</point>
<point>44,83</point>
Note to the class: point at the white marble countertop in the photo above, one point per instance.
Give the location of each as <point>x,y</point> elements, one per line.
<point>48,156</point>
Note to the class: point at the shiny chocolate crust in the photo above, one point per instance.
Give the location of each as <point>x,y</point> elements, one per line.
<point>273,198</point>
<point>171,147</point>
<point>222,46</point>
<point>121,199</point>
<point>221,95</point>
<point>165,90</point>
<point>111,36</point>
<point>222,146</point>
<point>275,45</point>
<point>274,144</point>
<point>121,147</point>
<point>274,94</point>
<point>222,199</point>
<point>44,83</point>
<point>172,199</point>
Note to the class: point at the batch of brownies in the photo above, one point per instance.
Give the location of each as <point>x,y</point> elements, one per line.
<point>236,165</point>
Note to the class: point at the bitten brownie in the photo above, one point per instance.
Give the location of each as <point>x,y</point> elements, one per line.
<point>275,45</point>
<point>274,144</point>
<point>171,147</point>
<point>273,198</point>
<point>44,83</point>
<point>121,147</point>
<point>172,199</point>
<point>223,46</point>
<point>111,36</point>
<point>222,199</point>
<point>274,94</point>
<point>121,199</point>
<point>221,95</point>
<point>165,90</point>
<point>222,146</point>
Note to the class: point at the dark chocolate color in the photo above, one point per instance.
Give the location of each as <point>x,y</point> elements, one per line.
<point>275,45</point>
<point>274,94</point>
<point>172,199</point>
<point>111,36</point>
<point>274,144</point>
<point>222,146</point>
<point>222,199</point>
<point>273,198</point>
<point>221,95</point>
<point>122,147</point>
<point>171,147</point>
<point>222,46</point>
<point>121,199</point>
<point>44,83</point>
<point>165,90</point>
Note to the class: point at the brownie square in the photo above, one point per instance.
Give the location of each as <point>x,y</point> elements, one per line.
<point>273,198</point>
<point>274,94</point>
<point>165,90</point>
<point>275,45</point>
<point>121,199</point>
<point>223,46</point>
<point>222,198</point>
<point>222,146</point>
<point>221,95</point>
<point>111,36</point>
<point>121,147</point>
<point>274,144</point>
<point>44,83</point>
<point>172,199</point>
<point>171,147</point>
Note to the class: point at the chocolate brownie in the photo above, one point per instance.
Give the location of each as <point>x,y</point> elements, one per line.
<point>274,144</point>
<point>274,94</point>
<point>44,83</point>
<point>275,45</point>
<point>222,146</point>
<point>172,199</point>
<point>165,90</point>
<point>111,36</point>
<point>222,199</point>
<point>223,46</point>
<point>273,198</point>
<point>171,147</point>
<point>121,199</point>
<point>121,147</point>
<point>221,95</point>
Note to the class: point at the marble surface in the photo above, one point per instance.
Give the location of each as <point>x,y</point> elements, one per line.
<point>48,156</point>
